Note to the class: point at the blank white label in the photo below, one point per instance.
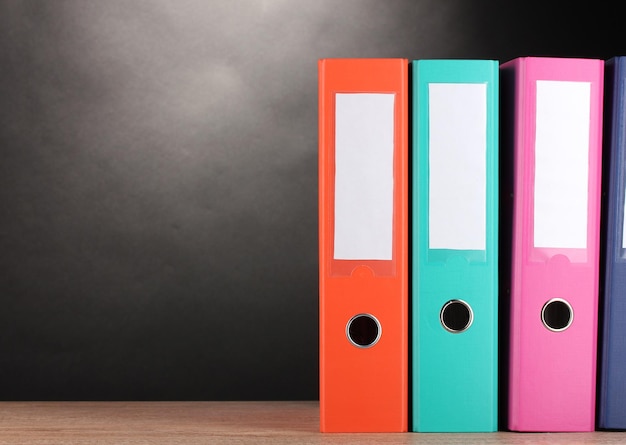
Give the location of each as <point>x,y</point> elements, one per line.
<point>457,160</point>
<point>561,164</point>
<point>364,146</point>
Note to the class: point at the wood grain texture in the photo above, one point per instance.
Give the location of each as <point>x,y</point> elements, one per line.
<point>223,423</point>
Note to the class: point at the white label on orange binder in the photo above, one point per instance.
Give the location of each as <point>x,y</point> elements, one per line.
<point>364,143</point>
<point>561,164</point>
<point>457,161</point>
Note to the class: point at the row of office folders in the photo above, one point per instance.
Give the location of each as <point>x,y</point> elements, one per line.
<point>472,244</point>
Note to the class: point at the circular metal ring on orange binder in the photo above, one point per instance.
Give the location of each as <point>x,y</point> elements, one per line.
<point>557,315</point>
<point>456,316</point>
<point>363,330</point>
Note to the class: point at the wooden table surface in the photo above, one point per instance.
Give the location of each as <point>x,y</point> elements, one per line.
<point>223,423</point>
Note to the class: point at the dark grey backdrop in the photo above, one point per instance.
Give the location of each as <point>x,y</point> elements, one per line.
<point>158,180</point>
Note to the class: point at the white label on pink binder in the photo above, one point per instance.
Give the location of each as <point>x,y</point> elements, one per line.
<point>457,161</point>
<point>364,146</point>
<point>561,164</point>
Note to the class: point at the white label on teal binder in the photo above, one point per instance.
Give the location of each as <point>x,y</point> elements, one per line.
<point>457,161</point>
<point>364,143</point>
<point>561,164</point>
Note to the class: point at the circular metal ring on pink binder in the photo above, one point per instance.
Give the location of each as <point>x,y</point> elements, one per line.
<point>557,315</point>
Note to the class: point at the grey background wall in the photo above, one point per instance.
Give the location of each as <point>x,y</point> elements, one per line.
<point>158,180</point>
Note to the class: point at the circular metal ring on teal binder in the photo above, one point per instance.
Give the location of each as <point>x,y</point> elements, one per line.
<point>363,330</point>
<point>456,316</point>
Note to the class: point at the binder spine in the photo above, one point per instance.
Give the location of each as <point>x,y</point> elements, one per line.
<point>363,274</point>
<point>612,357</point>
<point>455,362</point>
<point>552,366</point>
